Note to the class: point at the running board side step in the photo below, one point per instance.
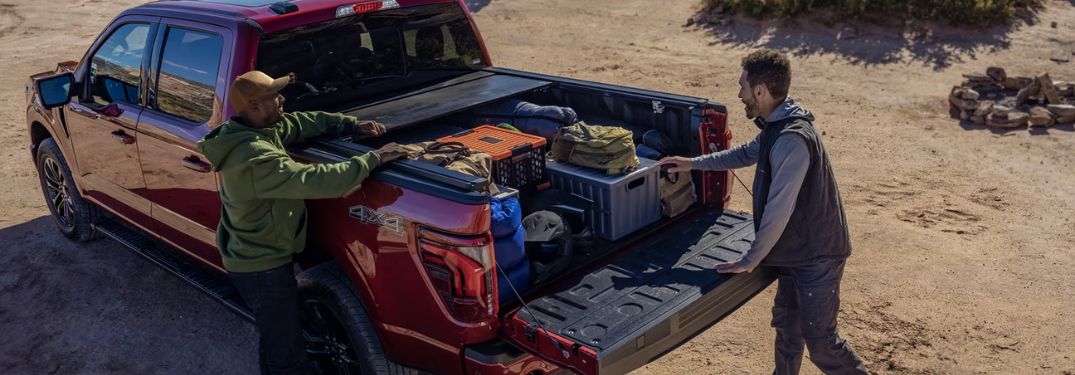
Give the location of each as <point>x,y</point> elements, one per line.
<point>214,286</point>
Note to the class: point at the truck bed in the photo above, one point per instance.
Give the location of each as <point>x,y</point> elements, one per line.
<point>647,300</point>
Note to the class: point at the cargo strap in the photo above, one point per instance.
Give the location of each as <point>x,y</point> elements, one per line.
<point>457,150</point>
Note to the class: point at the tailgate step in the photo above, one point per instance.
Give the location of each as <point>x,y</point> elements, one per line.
<point>213,285</point>
<point>646,301</point>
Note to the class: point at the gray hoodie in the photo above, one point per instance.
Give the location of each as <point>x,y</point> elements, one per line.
<point>790,160</point>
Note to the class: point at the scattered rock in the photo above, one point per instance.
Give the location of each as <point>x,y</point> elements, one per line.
<point>1053,24</point>
<point>1001,110</point>
<point>1065,89</point>
<point>1017,83</point>
<point>1013,119</point>
<point>958,98</point>
<point>689,23</point>
<point>1041,118</point>
<point>1048,90</point>
<point>1007,102</point>
<point>1030,91</point>
<point>1018,117</point>
<point>1060,59</point>
<point>971,94</point>
<point>977,79</point>
<point>980,114</point>
<point>1065,113</point>
<point>996,73</point>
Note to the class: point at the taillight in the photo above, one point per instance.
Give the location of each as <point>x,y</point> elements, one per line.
<point>369,6</point>
<point>462,271</point>
<point>715,136</point>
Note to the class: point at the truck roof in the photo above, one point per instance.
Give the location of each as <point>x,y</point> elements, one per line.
<point>262,11</point>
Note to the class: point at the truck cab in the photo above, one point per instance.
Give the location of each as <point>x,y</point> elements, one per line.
<point>408,260</point>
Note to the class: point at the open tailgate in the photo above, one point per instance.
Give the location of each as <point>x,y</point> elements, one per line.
<point>645,301</point>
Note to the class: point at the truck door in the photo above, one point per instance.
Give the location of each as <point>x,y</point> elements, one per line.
<point>187,79</point>
<point>103,118</point>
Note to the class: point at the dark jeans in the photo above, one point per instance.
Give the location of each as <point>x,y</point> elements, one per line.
<point>273,296</point>
<point>804,315</point>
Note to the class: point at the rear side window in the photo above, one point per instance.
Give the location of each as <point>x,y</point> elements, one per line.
<point>352,60</point>
<point>116,67</point>
<point>186,86</point>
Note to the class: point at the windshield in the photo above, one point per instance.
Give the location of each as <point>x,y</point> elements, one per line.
<point>357,59</point>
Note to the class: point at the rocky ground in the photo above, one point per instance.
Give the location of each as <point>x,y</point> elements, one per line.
<point>963,248</point>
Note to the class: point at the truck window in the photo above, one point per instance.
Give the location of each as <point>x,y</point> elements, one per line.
<point>186,84</point>
<point>352,60</point>
<point>116,67</point>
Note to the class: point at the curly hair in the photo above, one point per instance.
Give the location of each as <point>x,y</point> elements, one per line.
<point>771,68</point>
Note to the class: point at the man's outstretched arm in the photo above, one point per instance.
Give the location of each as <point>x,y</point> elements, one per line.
<point>790,161</point>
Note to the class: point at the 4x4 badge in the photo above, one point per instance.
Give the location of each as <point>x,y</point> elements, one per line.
<point>368,215</point>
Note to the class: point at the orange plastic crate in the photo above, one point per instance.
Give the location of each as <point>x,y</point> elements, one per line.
<point>518,158</point>
<point>498,143</point>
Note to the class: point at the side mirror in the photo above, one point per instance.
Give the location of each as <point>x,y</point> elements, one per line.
<point>55,91</point>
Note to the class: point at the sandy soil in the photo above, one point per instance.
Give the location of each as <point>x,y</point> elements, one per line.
<point>963,248</point>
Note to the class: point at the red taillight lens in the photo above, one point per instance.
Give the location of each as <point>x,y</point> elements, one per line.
<point>370,6</point>
<point>367,7</point>
<point>463,273</point>
<point>715,136</point>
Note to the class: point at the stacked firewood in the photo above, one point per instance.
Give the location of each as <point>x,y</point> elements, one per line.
<point>998,100</point>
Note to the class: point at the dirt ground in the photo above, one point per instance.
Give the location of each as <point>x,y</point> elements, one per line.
<point>963,257</point>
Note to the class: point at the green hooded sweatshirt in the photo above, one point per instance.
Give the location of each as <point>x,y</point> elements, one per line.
<point>263,218</point>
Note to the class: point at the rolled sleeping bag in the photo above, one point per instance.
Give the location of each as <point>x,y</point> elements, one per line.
<point>511,250</point>
<point>528,117</point>
<point>519,278</point>
<point>507,216</point>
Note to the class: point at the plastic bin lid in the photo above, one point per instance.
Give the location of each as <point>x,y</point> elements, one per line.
<point>598,175</point>
<point>498,143</point>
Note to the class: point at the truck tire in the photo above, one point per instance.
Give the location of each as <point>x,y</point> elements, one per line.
<point>73,214</point>
<point>337,329</point>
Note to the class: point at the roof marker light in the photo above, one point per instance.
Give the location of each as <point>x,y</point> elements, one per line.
<point>369,6</point>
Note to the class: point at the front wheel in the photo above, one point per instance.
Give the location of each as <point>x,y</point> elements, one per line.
<point>74,216</point>
<point>340,338</point>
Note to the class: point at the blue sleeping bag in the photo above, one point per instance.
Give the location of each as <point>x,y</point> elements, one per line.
<point>520,278</point>
<point>511,258</point>
<point>507,216</point>
<point>509,247</point>
<point>511,250</point>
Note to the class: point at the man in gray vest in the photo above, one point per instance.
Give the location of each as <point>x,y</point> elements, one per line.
<point>799,220</point>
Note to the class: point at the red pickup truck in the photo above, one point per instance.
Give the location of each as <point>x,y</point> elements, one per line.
<point>396,278</point>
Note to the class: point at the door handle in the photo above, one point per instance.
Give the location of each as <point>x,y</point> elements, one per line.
<point>195,164</point>
<point>123,137</point>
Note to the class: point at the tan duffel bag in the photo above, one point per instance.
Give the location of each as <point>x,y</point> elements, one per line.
<point>677,193</point>
<point>454,156</point>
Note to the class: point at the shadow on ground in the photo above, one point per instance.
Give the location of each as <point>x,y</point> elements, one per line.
<point>934,45</point>
<point>95,307</point>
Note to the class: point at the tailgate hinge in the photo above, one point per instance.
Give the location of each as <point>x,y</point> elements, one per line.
<point>531,332</point>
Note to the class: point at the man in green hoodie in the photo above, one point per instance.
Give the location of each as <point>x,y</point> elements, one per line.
<point>263,192</point>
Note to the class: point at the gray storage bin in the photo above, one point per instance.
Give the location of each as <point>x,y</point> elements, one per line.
<point>623,204</point>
